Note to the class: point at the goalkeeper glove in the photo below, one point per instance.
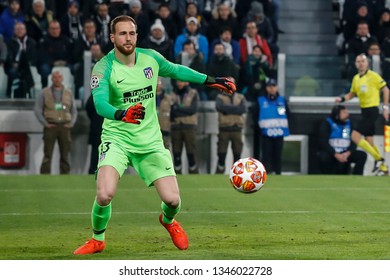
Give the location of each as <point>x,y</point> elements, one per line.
<point>134,113</point>
<point>221,84</point>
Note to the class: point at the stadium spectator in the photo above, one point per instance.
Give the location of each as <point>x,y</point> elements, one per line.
<point>271,10</point>
<point>183,4</point>
<point>191,32</point>
<point>94,136</point>
<point>232,47</point>
<point>193,59</point>
<point>385,47</point>
<point>3,51</point>
<point>211,7</point>
<point>367,86</point>
<point>242,8</point>
<point>382,31</point>
<point>38,19</point>
<point>154,9</point>
<point>56,111</point>
<point>375,49</point>
<point>9,17</point>
<point>72,22</point>
<point>193,12</point>
<point>96,55</point>
<point>137,13</point>
<point>354,10</point>
<point>358,45</point>
<point>231,109</point>
<point>190,57</point>
<point>131,133</point>
<point>263,23</point>
<point>118,7</point>
<point>87,38</point>
<point>102,22</point>
<point>385,54</point>
<point>274,126</point>
<point>264,27</point>
<point>256,71</point>
<point>184,122</point>
<point>159,40</point>
<point>220,64</point>
<point>89,8</point>
<point>164,102</point>
<point>353,16</point>
<point>3,5</point>
<point>22,53</point>
<point>250,39</point>
<point>169,22</point>
<point>57,7</point>
<point>53,50</point>
<point>336,150</point>
<point>222,18</point>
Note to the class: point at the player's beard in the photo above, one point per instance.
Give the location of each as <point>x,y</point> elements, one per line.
<point>125,50</point>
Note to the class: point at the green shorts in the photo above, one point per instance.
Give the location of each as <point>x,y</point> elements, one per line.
<point>150,166</point>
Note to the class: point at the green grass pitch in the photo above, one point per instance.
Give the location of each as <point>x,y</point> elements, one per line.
<point>291,218</point>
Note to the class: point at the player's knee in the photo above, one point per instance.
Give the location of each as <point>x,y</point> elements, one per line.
<point>173,202</point>
<point>104,198</point>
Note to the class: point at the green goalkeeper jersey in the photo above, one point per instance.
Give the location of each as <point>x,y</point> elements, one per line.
<point>116,86</point>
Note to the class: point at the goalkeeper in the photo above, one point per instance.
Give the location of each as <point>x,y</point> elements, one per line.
<point>124,85</point>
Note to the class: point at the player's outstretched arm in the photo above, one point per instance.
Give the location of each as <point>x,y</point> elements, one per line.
<point>132,115</point>
<point>221,84</point>
<point>184,73</point>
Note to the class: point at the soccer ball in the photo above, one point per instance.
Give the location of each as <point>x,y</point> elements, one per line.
<point>247,175</point>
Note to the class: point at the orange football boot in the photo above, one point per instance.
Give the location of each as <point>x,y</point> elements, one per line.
<point>90,247</point>
<point>178,235</point>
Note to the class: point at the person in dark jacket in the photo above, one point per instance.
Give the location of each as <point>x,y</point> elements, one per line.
<point>37,21</point>
<point>159,41</point>
<point>336,149</point>
<point>220,64</point>
<point>22,53</point>
<point>166,15</point>
<point>223,17</point>
<point>71,22</point>
<point>53,50</point>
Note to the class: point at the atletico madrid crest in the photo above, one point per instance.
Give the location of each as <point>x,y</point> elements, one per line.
<point>148,72</point>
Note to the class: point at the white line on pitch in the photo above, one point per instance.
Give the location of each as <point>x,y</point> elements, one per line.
<point>203,212</point>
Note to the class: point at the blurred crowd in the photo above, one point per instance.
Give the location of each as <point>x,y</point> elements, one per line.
<point>365,28</point>
<point>234,38</point>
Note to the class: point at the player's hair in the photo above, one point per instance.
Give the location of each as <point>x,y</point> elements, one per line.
<point>335,114</point>
<point>122,18</point>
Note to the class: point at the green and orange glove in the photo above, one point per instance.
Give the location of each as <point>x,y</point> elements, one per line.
<point>221,84</point>
<point>133,114</point>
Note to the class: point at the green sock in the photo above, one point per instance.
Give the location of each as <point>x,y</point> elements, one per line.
<point>100,216</point>
<point>169,213</point>
<point>369,149</point>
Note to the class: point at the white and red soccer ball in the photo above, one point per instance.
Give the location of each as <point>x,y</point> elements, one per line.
<point>247,175</point>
